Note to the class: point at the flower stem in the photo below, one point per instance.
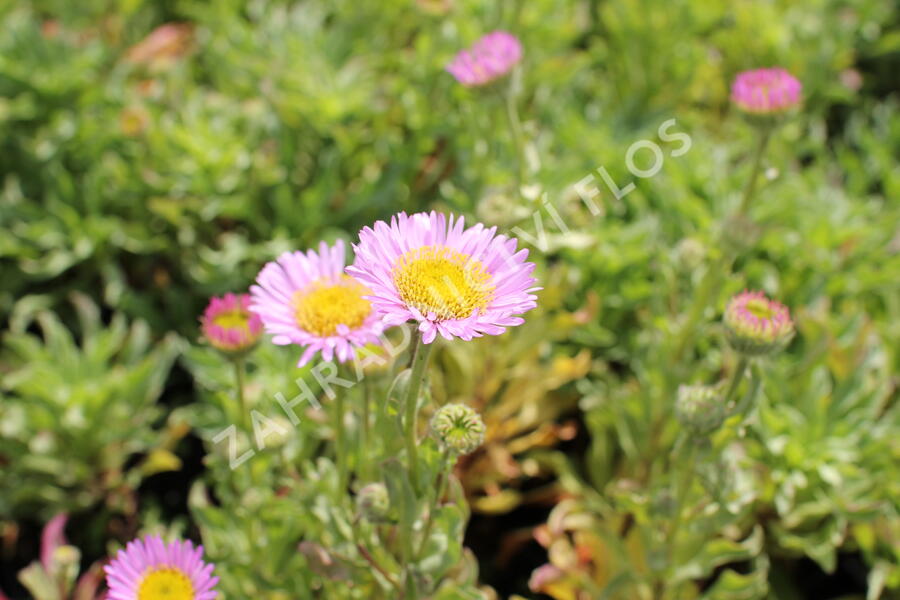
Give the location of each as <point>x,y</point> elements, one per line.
<point>743,362</point>
<point>715,273</point>
<point>749,191</point>
<point>683,485</point>
<point>364,429</point>
<point>340,444</point>
<point>515,130</point>
<point>416,379</point>
<point>239,377</point>
<point>440,488</point>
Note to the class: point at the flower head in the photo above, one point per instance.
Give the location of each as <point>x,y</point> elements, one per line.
<point>374,502</point>
<point>490,58</point>
<point>306,299</point>
<point>757,325</point>
<point>229,326</point>
<point>700,408</point>
<point>150,569</point>
<point>454,281</point>
<point>766,91</point>
<point>458,428</point>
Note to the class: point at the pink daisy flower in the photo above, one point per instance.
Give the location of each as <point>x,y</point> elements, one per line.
<point>306,299</point>
<point>454,281</point>
<point>149,569</point>
<point>757,325</point>
<point>229,326</point>
<point>490,58</point>
<point>766,91</point>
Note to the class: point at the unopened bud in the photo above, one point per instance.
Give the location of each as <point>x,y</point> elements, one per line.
<point>458,428</point>
<point>373,502</point>
<point>757,325</point>
<point>700,408</point>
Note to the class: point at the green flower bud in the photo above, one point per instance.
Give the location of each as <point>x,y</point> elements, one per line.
<point>458,428</point>
<point>373,502</point>
<point>700,408</point>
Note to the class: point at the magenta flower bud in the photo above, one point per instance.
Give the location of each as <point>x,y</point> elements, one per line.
<point>490,58</point>
<point>229,325</point>
<point>766,91</point>
<point>757,325</point>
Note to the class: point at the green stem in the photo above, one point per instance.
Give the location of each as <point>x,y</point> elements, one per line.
<point>749,191</point>
<point>515,130</point>
<point>340,444</point>
<point>440,485</point>
<point>681,491</point>
<point>240,376</point>
<point>743,362</point>
<point>715,273</point>
<point>416,379</point>
<point>364,429</point>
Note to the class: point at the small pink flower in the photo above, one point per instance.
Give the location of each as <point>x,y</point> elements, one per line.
<point>306,299</point>
<point>490,58</point>
<point>229,325</point>
<point>757,325</point>
<point>766,91</point>
<point>150,569</point>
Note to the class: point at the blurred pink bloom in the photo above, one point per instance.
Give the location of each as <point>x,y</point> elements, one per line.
<point>544,575</point>
<point>229,326</point>
<point>163,46</point>
<point>493,56</point>
<point>766,91</point>
<point>52,537</point>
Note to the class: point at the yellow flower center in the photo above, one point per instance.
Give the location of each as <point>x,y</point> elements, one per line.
<point>438,279</point>
<point>324,305</point>
<point>166,583</point>
<point>232,319</point>
<point>760,309</point>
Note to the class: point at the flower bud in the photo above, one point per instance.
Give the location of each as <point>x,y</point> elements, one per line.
<point>458,428</point>
<point>756,325</point>
<point>766,91</point>
<point>229,326</point>
<point>700,408</point>
<point>373,502</point>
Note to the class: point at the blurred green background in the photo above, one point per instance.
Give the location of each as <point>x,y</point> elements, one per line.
<point>156,152</point>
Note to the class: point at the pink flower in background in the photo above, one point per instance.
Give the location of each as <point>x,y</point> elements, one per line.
<point>229,326</point>
<point>163,46</point>
<point>454,281</point>
<point>493,56</point>
<point>150,569</point>
<point>766,91</point>
<point>306,299</point>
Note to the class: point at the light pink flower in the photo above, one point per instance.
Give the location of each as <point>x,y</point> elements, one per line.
<point>491,57</point>
<point>766,91</point>
<point>454,281</point>
<point>150,569</point>
<point>229,326</point>
<point>306,299</point>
